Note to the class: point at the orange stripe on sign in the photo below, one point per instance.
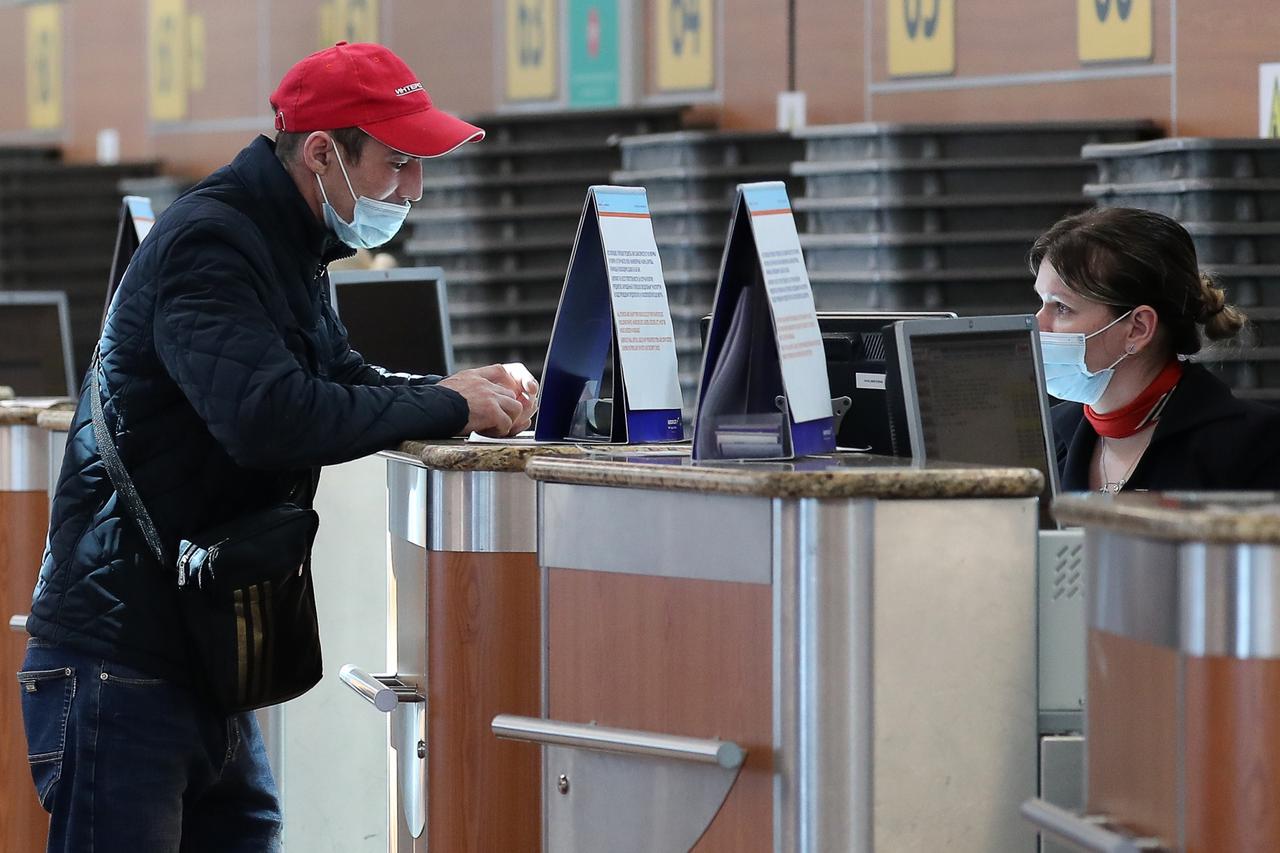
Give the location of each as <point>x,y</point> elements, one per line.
<point>627,215</point>
<point>778,212</point>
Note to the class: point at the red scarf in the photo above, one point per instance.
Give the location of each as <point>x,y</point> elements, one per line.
<point>1141,412</point>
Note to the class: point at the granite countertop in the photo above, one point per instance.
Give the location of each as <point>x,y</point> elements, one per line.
<point>57,419</point>
<point>458,454</point>
<point>6,393</point>
<point>839,476</point>
<point>24,411</point>
<point>1211,517</point>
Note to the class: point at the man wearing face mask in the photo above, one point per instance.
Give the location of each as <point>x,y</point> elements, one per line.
<point>1124,304</point>
<point>225,382</point>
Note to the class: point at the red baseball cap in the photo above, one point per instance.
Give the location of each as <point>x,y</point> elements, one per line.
<point>369,87</point>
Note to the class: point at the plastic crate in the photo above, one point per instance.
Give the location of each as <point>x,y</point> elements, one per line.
<point>933,214</point>
<point>950,141</point>
<point>957,250</point>
<point>1201,199</point>
<point>694,148</point>
<point>1010,176</point>
<point>1185,158</point>
<point>1219,243</point>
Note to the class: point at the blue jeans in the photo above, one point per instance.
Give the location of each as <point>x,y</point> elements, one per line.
<point>127,762</point>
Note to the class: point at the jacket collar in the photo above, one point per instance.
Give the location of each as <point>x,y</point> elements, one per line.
<point>279,208</point>
<point>1199,398</point>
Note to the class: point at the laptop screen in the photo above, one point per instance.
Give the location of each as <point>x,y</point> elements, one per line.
<point>397,319</point>
<point>35,344</point>
<point>974,392</point>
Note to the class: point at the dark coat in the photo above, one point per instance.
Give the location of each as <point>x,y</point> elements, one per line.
<point>227,381</point>
<point>1205,439</point>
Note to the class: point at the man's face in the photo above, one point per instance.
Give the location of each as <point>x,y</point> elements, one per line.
<point>383,174</point>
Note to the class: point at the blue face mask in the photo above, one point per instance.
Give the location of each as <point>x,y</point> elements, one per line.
<point>1065,374</point>
<point>372,222</point>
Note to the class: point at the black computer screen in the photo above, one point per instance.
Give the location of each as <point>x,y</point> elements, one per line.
<point>397,319</point>
<point>980,400</point>
<point>34,350</point>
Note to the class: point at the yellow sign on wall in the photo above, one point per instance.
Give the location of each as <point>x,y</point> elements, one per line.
<point>922,37</point>
<point>195,52</point>
<point>44,66</point>
<point>348,20</point>
<point>167,60</point>
<point>533,28</point>
<point>684,39</point>
<point>1113,29</point>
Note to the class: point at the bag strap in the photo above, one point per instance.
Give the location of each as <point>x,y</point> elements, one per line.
<point>115,468</point>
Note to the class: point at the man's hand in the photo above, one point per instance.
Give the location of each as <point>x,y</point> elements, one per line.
<point>502,398</point>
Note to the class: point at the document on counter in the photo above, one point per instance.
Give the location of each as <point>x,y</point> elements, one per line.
<point>763,392</point>
<point>611,374</point>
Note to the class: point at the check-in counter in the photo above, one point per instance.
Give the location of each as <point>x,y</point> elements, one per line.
<point>24,521</point>
<point>1182,727</point>
<point>465,633</point>
<point>832,654</point>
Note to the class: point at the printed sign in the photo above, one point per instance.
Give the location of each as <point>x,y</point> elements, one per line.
<point>44,66</point>
<point>1110,30</point>
<point>922,37</point>
<point>195,52</point>
<point>348,20</point>
<point>1269,100</point>
<point>167,42</point>
<point>531,29</point>
<point>613,318</point>
<point>593,53</point>
<point>684,34</point>
<point>763,393</point>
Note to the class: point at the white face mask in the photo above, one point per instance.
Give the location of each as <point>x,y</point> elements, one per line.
<point>1065,374</point>
<point>372,222</point>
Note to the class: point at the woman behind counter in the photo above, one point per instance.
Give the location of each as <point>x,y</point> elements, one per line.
<point>1124,304</point>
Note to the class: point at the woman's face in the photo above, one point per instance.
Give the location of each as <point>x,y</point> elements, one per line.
<point>1064,310</point>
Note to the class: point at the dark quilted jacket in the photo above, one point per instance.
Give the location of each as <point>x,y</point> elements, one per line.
<point>227,382</point>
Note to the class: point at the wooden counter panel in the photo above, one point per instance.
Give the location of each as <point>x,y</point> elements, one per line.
<point>675,656</point>
<point>1232,754</point>
<point>24,520</point>
<point>1132,734</point>
<point>483,645</point>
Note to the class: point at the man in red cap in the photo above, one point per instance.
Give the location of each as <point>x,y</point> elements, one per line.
<point>224,381</point>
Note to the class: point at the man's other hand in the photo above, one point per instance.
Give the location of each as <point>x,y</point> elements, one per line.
<point>502,398</point>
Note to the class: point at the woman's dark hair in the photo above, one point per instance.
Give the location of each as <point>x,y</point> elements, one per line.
<point>351,139</point>
<point>1124,258</point>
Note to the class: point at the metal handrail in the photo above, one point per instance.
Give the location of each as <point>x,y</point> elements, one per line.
<point>1083,833</point>
<point>584,736</point>
<point>383,692</point>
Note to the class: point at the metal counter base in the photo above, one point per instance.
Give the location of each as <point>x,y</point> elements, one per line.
<point>875,659</point>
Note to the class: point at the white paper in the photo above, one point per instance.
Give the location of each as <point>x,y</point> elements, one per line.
<point>646,337</point>
<point>804,364</point>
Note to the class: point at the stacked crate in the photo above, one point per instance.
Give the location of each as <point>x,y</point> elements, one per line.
<point>939,217</point>
<point>57,232</point>
<point>500,218</point>
<point>692,178</point>
<point>1227,194</point>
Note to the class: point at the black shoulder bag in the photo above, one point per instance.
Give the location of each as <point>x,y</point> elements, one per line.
<point>244,588</point>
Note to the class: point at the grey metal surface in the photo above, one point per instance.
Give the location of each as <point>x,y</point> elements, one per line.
<point>1060,636</point>
<point>407,501</point>
<point>1081,833</point>
<point>407,627</point>
<point>546,732</point>
<point>602,801</point>
<point>1132,586</point>
<point>24,459</point>
<point>668,534</point>
<point>489,511</point>
<point>1230,600</point>
<point>57,444</point>
<point>1061,779</point>
<point>823,673</point>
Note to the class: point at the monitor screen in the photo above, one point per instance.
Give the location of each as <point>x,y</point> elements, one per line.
<point>35,344</point>
<point>973,391</point>
<point>855,349</point>
<point>397,319</point>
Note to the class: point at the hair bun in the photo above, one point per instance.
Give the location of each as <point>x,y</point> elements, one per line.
<point>1219,319</point>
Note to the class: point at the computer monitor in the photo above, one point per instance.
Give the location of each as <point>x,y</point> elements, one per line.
<point>398,319</point>
<point>972,390</point>
<point>855,349</point>
<point>35,343</point>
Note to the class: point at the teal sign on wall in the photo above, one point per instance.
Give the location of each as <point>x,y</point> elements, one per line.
<point>593,53</point>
